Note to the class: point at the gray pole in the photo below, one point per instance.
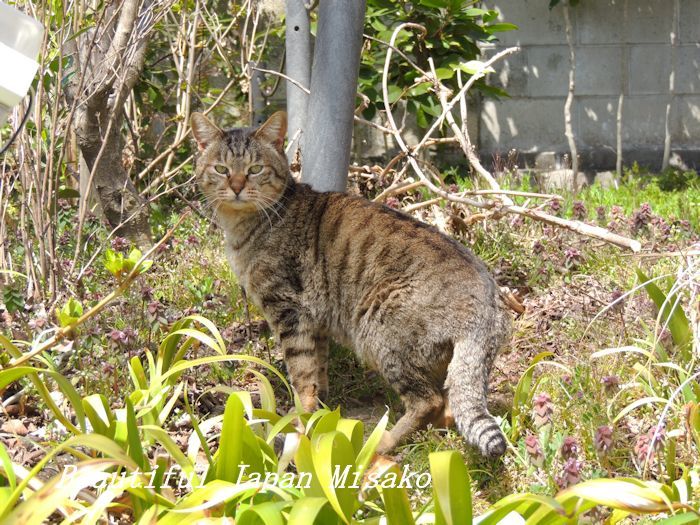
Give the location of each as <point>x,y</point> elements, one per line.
<point>328,131</point>
<point>298,67</point>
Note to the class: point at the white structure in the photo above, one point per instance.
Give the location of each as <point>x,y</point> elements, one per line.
<point>639,55</point>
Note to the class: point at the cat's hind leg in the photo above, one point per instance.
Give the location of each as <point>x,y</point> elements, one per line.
<point>422,400</point>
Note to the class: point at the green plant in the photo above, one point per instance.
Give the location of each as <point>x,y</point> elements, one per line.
<point>454,29</point>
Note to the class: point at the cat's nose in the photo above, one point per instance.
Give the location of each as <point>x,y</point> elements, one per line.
<point>237,183</point>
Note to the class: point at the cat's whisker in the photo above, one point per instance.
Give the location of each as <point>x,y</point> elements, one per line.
<point>262,209</point>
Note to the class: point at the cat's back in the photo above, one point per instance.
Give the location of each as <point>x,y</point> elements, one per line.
<point>355,243</point>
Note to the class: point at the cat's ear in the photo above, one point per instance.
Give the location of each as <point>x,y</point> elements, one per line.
<point>204,131</point>
<point>273,130</point>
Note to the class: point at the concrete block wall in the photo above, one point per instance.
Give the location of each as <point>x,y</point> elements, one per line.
<point>636,59</point>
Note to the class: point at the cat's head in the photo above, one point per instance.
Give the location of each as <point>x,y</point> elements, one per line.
<point>242,169</point>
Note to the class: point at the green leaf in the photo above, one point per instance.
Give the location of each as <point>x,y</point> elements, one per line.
<point>114,262</point>
<point>312,511</point>
<point>451,488</point>
<point>306,469</point>
<point>100,415</point>
<point>267,513</point>
<point>396,504</point>
<point>438,4</point>
<point>70,312</point>
<point>134,443</point>
<point>333,456</point>
<point>394,93</point>
<point>444,73</point>
<point>472,66</point>
<point>369,449</point>
<point>230,452</point>
<point>672,314</point>
<point>501,27</point>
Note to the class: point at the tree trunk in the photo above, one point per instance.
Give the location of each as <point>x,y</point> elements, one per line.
<point>624,62</point>
<point>298,67</point>
<point>568,125</point>
<point>328,130</point>
<point>121,203</point>
<point>671,85</point>
<point>111,65</point>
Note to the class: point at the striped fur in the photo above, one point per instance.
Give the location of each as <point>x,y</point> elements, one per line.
<point>414,304</point>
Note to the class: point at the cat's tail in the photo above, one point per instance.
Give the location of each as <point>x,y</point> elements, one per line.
<point>467,384</point>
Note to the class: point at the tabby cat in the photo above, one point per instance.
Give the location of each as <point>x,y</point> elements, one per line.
<point>415,305</point>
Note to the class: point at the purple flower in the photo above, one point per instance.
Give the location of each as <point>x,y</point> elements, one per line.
<point>611,383</point>
<point>393,202</point>
<point>641,218</point>
<point>579,211</point>
<point>642,448</point>
<point>554,206</point>
<point>146,293</point>
<point>570,474</point>
<point>118,337</point>
<point>119,243</point>
<point>569,448</point>
<point>603,439</point>
<point>600,214</point>
<point>572,257</point>
<point>542,406</point>
<point>534,450</point>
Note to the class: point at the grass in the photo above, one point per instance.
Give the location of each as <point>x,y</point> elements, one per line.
<point>565,282</point>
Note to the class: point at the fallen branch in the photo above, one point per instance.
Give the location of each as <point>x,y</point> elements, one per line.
<point>497,206</point>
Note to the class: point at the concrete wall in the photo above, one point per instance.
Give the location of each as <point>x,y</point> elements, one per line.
<point>636,59</point>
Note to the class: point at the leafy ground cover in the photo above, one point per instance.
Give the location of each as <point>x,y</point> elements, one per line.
<point>595,383</point>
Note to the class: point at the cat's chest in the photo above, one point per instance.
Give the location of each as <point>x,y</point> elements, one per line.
<point>238,263</point>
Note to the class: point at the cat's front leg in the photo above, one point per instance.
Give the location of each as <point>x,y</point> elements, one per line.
<point>321,344</point>
<point>302,367</point>
<point>299,344</point>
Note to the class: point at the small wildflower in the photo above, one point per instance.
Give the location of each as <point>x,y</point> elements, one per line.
<point>129,334</point>
<point>393,202</point>
<point>192,240</point>
<point>572,257</point>
<point>611,383</point>
<point>569,448</point>
<point>146,293</point>
<point>117,336</point>
<point>542,405</point>
<point>641,218</point>
<point>537,247</point>
<point>38,323</point>
<point>517,222</point>
<point>617,297</point>
<point>119,243</point>
<point>534,450</point>
<point>579,211</point>
<point>600,214</point>
<point>570,474</point>
<point>603,439</point>
<point>554,207</point>
<point>453,188</point>
<point>644,442</point>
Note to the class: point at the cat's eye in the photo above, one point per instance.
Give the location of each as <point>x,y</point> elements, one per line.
<point>255,169</point>
<point>221,169</point>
